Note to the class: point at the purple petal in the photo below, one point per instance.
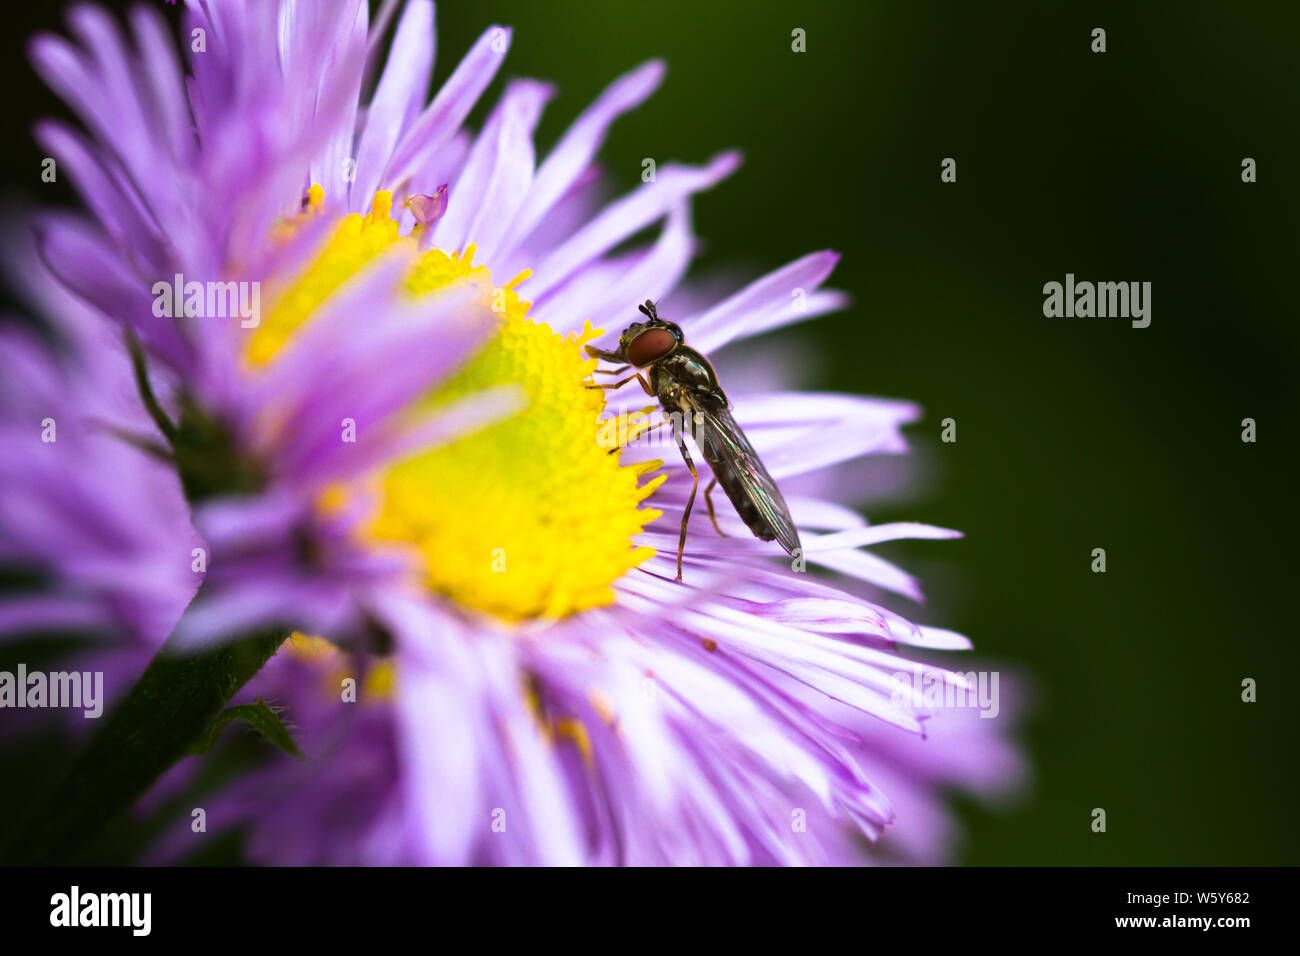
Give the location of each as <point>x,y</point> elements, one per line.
<point>574,153</point>
<point>443,117</point>
<point>401,92</point>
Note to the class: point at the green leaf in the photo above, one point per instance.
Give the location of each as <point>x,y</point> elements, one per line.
<point>258,716</point>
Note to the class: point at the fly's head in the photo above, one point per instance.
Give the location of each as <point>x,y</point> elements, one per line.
<point>644,343</point>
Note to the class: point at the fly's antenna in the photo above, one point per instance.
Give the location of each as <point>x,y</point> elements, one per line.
<point>648,310</point>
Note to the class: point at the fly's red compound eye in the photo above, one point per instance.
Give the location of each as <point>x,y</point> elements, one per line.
<point>650,346</point>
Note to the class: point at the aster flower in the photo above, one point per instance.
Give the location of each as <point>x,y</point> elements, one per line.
<point>549,694</point>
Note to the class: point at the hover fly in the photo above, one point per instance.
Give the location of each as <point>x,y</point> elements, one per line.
<point>687,388</point>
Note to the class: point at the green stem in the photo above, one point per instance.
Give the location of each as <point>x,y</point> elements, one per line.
<point>147,396</point>
<point>169,708</point>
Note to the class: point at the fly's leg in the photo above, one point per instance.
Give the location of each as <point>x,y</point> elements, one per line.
<point>708,501</point>
<point>652,428</point>
<point>638,376</point>
<point>602,354</point>
<point>695,476</point>
<point>611,371</point>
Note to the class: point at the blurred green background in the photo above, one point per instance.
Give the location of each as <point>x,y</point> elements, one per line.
<point>1073,434</point>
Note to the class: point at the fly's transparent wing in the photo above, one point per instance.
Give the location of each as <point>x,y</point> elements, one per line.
<point>740,471</point>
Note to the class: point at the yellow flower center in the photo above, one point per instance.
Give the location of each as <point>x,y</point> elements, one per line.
<point>528,517</point>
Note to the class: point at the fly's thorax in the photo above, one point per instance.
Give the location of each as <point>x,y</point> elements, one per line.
<point>674,398</point>
<point>690,369</point>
